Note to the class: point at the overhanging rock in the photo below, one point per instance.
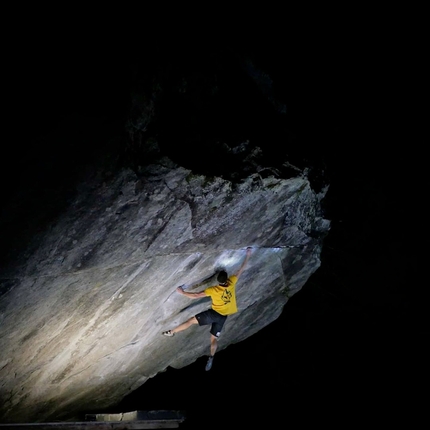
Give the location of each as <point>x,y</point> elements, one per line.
<point>82,310</point>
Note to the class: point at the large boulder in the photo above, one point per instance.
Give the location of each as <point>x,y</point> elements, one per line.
<point>82,307</point>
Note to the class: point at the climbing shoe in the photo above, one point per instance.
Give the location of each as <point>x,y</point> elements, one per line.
<point>168,333</point>
<point>209,363</point>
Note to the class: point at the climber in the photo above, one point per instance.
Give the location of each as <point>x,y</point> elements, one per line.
<point>223,296</point>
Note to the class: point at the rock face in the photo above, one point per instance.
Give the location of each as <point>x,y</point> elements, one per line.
<point>83,308</point>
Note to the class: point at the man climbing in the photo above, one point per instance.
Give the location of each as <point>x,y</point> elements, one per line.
<point>223,296</point>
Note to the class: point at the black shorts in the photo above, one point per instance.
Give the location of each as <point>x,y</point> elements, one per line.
<point>212,317</point>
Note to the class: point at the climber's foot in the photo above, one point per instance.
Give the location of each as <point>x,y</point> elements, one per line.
<point>209,363</point>
<point>168,333</point>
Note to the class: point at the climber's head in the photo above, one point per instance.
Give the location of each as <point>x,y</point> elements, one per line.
<point>222,278</point>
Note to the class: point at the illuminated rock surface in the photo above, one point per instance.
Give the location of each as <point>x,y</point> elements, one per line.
<point>82,310</point>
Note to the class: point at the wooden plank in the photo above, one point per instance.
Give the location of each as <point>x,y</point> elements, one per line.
<point>137,416</point>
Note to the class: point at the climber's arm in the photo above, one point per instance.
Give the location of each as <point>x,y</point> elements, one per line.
<point>242,267</point>
<point>199,295</point>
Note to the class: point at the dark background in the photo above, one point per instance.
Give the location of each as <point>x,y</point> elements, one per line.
<point>350,345</point>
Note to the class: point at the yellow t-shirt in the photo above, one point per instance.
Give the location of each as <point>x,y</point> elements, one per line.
<point>224,298</point>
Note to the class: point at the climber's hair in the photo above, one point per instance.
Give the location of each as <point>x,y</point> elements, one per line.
<point>222,277</point>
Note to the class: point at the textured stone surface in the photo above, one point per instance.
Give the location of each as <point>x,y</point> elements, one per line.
<point>82,310</point>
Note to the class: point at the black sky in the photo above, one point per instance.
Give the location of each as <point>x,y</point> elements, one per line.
<point>349,344</point>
